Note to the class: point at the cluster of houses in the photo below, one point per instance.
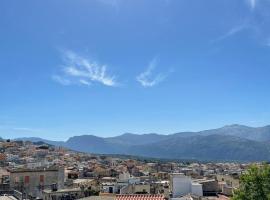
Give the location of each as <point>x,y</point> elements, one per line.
<point>40,171</point>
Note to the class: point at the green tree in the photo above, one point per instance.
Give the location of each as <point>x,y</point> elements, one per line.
<point>254,184</point>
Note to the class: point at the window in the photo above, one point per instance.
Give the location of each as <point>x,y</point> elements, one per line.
<point>41,178</point>
<point>26,179</point>
<point>16,179</point>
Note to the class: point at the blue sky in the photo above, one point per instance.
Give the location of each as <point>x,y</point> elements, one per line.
<point>106,67</point>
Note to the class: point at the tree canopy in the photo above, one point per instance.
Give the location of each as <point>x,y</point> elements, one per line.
<point>254,184</point>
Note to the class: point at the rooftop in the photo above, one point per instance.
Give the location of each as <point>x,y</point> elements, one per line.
<point>19,170</point>
<point>98,198</point>
<point>62,190</point>
<point>7,197</point>
<point>140,197</point>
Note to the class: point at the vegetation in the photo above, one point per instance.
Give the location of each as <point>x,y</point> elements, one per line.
<point>254,184</point>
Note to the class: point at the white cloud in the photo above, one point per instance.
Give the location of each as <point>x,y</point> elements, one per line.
<point>85,82</point>
<point>252,3</point>
<point>233,31</point>
<point>61,80</point>
<point>147,79</point>
<point>82,71</point>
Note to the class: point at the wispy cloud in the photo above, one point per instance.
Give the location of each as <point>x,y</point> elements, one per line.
<point>61,80</point>
<point>84,82</point>
<point>147,78</point>
<point>252,3</point>
<point>82,71</point>
<point>233,31</point>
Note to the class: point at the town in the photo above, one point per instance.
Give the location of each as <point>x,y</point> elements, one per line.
<point>32,170</point>
<point>134,100</point>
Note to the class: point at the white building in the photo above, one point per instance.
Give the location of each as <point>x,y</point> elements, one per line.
<point>196,189</point>
<point>181,185</point>
<point>125,177</point>
<point>109,187</point>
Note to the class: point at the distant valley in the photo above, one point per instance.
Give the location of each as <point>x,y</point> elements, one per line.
<point>229,143</point>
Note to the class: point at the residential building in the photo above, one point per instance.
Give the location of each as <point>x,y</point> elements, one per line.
<point>31,182</point>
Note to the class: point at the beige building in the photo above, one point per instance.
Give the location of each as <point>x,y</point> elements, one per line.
<point>230,180</point>
<point>31,182</point>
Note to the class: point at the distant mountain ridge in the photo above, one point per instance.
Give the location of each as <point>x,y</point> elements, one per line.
<point>258,134</point>
<point>37,139</point>
<point>232,142</point>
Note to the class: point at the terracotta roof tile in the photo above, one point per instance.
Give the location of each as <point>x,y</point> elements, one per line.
<point>140,197</point>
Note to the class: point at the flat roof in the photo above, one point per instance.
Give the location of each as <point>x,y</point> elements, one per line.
<point>99,198</point>
<point>48,191</point>
<point>20,170</point>
<point>7,197</point>
<point>82,180</point>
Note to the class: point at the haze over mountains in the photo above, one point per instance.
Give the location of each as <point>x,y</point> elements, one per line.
<point>233,142</point>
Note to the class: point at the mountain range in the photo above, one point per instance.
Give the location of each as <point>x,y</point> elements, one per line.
<point>229,143</point>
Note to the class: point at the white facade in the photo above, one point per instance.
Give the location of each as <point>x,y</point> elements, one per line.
<point>182,185</point>
<point>196,189</point>
<point>126,177</point>
<point>109,187</point>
